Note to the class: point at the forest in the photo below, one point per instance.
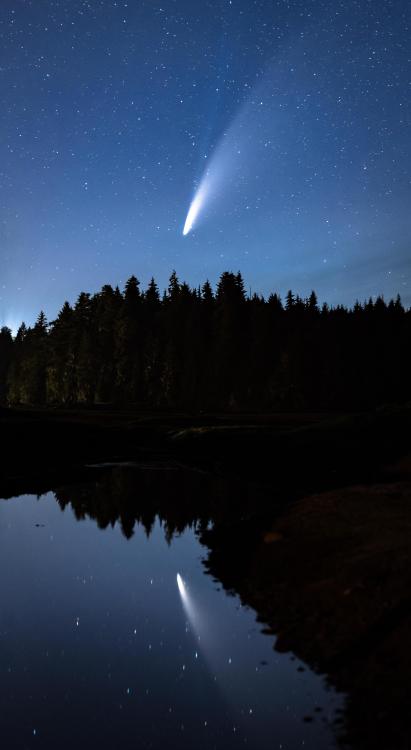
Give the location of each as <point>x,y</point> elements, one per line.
<point>200,349</point>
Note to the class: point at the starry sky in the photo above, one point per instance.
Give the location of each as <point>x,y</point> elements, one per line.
<point>112,113</point>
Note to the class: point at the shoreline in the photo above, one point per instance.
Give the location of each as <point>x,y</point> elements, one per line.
<point>329,450</point>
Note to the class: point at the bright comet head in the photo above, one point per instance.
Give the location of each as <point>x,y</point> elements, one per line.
<point>195,208</point>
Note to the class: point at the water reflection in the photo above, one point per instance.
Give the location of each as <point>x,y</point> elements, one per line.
<point>95,647</point>
<point>181,498</point>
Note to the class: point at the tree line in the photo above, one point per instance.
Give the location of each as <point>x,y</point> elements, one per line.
<point>204,349</point>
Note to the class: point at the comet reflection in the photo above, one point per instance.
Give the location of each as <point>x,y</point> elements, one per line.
<point>187,603</point>
<point>209,637</point>
<point>181,586</point>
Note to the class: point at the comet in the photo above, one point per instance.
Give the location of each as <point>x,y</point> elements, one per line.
<point>224,165</point>
<point>231,162</point>
<point>197,204</point>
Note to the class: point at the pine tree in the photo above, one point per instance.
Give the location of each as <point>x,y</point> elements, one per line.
<point>6,353</point>
<point>289,301</point>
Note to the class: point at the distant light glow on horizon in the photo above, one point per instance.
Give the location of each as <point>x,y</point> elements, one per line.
<point>11,322</point>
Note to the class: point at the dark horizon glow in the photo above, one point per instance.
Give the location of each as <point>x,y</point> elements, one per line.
<point>285,126</point>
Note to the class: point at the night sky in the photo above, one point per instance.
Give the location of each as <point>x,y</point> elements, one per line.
<point>113,113</point>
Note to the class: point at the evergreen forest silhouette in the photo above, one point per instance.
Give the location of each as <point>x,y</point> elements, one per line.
<point>199,349</point>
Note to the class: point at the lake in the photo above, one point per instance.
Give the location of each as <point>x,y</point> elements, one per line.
<point>112,634</point>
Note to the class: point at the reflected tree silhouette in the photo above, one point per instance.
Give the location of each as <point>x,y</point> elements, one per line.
<point>131,496</point>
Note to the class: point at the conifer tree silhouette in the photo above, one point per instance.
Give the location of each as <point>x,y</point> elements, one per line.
<point>198,349</point>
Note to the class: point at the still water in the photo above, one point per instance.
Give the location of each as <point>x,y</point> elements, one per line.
<point>102,646</point>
